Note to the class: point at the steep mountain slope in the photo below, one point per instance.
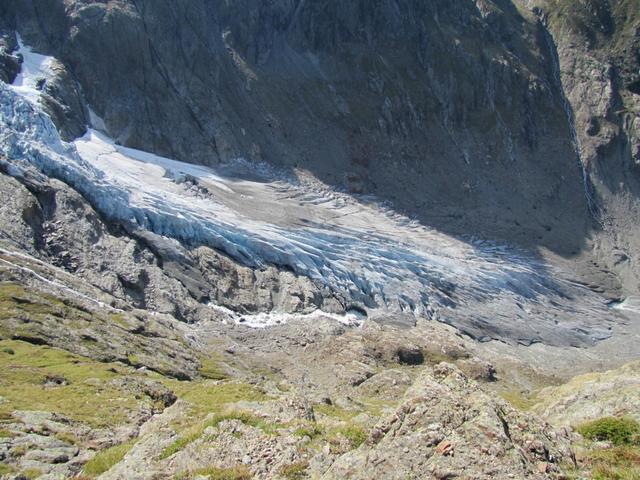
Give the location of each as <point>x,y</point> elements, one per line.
<point>599,54</point>
<point>450,109</point>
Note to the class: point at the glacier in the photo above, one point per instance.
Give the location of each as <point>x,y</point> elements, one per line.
<point>260,215</point>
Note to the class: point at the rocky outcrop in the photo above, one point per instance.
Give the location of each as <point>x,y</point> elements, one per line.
<point>9,63</point>
<point>615,393</point>
<point>62,99</point>
<point>446,426</point>
<point>432,433</point>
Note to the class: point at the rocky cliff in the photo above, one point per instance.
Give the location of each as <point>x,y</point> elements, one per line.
<point>599,58</point>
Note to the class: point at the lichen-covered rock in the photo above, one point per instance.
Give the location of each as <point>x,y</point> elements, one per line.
<point>592,396</point>
<point>447,427</point>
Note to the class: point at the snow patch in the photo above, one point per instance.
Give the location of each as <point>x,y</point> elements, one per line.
<point>96,121</point>
<point>35,71</point>
<point>271,319</point>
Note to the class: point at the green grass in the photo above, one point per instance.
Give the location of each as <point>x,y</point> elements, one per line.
<point>295,471</point>
<point>215,473</point>
<point>69,438</point>
<point>607,27</point>
<point>618,463</point>
<point>334,411</point>
<point>354,433</point>
<point>433,358</point>
<point>312,431</point>
<point>14,299</point>
<point>619,431</point>
<point>133,360</point>
<point>105,459</point>
<point>31,473</point>
<point>376,407</point>
<point>622,462</point>
<point>6,469</point>
<point>20,450</point>
<point>183,440</point>
<point>206,397</point>
<point>210,368</point>
<point>4,433</point>
<point>120,320</point>
<point>89,398</point>
<point>246,418</point>
<point>519,399</point>
<point>38,307</point>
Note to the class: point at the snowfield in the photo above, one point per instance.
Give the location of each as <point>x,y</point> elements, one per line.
<point>259,215</point>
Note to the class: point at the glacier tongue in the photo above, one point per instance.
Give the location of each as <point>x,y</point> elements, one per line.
<point>258,216</point>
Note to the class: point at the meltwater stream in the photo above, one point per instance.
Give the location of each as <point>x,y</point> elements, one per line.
<point>259,216</point>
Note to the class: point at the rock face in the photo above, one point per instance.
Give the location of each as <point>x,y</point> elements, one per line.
<point>598,45</point>
<point>509,119</point>
<point>63,101</point>
<point>431,433</point>
<point>494,155</point>
<point>449,109</point>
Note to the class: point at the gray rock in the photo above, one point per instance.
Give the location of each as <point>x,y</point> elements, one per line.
<point>593,396</point>
<point>431,435</point>
<point>64,102</point>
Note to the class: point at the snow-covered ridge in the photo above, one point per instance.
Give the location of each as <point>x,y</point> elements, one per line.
<point>260,216</point>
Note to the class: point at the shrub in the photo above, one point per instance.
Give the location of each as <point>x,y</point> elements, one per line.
<point>619,431</point>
